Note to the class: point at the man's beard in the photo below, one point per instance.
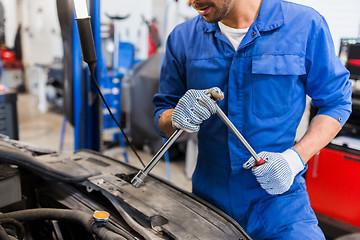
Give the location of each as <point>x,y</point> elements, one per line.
<point>217,13</point>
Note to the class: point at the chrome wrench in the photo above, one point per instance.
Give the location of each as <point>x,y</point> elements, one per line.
<point>258,160</point>
<point>139,178</point>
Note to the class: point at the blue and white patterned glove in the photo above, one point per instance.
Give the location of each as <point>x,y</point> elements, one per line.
<point>277,174</point>
<point>195,107</point>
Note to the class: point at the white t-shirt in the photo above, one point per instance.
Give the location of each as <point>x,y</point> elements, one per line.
<point>234,35</point>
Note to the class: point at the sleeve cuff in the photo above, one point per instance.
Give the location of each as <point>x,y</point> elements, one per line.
<point>339,115</point>
<point>156,121</point>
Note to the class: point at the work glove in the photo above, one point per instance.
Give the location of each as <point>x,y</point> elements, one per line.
<point>195,107</point>
<point>277,174</point>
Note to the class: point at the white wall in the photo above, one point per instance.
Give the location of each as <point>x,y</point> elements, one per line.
<point>177,12</point>
<point>132,29</point>
<point>158,12</point>
<point>11,21</point>
<point>343,17</point>
<point>41,33</point>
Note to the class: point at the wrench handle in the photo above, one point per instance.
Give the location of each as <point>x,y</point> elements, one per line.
<point>258,161</point>
<point>138,180</point>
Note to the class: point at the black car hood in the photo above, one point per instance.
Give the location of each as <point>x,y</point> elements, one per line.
<point>156,207</point>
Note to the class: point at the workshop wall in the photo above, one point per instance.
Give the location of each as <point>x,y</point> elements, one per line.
<point>11,21</point>
<point>41,35</point>
<point>343,17</point>
<point>176,12</point>
<point>132,29</point>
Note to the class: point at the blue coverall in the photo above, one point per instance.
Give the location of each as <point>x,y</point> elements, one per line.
<point>287,53</point>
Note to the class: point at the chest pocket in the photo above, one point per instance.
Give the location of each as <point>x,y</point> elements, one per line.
<point>273,83</point>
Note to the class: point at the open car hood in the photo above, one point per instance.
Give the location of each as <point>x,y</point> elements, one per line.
<point>156,210</point>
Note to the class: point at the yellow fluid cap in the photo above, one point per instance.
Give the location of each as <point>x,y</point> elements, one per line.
<point>101,216</point>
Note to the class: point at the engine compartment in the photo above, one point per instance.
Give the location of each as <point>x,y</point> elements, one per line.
<point>61,192</point>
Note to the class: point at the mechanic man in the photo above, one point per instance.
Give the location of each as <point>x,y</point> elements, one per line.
<point>265,56</point>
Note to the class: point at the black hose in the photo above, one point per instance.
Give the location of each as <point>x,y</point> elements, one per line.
<point>92,71</point>
<point>10,232</point>
<point>89,56</point>
<point>20,230</point>
<point>104,233</point>
<point>80,217</point>
<point>3,234</point>
<point>117,231</point>
<point>84,219</point>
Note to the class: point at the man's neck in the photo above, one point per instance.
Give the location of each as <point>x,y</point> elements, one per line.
<point>243,13</point>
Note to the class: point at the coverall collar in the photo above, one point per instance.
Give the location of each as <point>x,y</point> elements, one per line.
<point>270,17</point>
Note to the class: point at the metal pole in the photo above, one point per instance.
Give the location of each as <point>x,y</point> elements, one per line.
<point>230,125</point>
<point>138,180</point>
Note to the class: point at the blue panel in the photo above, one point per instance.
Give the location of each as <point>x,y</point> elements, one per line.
<point>86,100</point>
<point>77,61</point>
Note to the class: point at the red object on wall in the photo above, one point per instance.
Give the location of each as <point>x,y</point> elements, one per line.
<point>8,59</point>
<point>7,55</point>
<point>333,183</point>
<point>152,44</point>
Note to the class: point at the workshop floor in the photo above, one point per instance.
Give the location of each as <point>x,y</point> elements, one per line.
<point>44,130</point>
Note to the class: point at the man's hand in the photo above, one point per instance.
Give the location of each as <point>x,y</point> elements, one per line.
<point>195,107</point>
<point>277,174</point>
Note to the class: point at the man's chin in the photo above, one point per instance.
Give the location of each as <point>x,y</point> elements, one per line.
<point>210,20</point>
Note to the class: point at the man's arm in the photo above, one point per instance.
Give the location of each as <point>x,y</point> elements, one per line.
<point>165,124</point>
<point>321,131</point>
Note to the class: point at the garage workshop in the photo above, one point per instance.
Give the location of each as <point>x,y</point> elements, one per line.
<point>179,119</point>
